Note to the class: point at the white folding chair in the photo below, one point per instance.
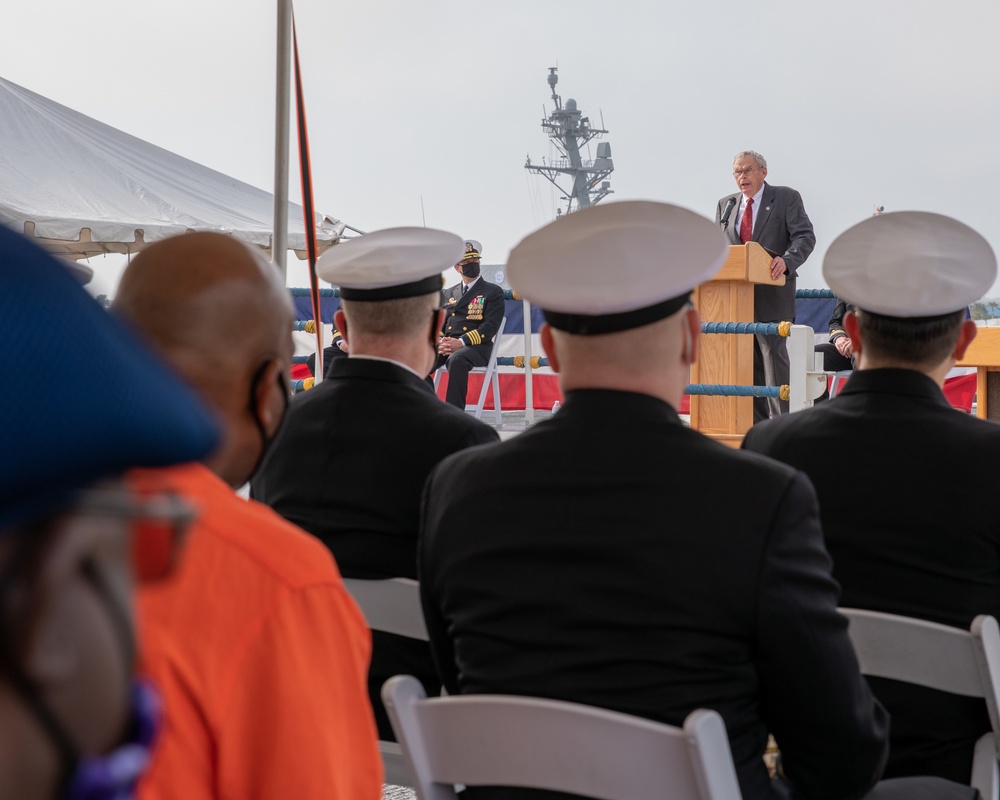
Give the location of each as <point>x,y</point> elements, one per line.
<point>490,378</point>
<point>391,605</point>
<point>838,381</point>
<point>938,657</point>
<point>505,740</point>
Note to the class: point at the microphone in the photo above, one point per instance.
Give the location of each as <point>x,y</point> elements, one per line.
<point>728,211</point>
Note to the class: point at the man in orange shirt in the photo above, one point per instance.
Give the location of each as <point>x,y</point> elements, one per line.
<point>261,655</point>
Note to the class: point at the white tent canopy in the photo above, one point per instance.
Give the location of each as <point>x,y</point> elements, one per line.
<point>82,188</point>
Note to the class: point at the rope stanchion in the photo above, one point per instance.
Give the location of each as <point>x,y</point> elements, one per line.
<point>300,292</point>
<point>303,385</point>
<point>510,294</point>
<point>767,328</point>
<point>518,361</point>
<point>726,390</point>
<point>307,325</point>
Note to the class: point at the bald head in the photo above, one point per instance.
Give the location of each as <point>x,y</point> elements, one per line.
<point>209,303</point>
<point>218,312</point>
<point>653,359</point>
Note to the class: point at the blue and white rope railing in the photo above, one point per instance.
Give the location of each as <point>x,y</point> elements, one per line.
<point>807,380</point>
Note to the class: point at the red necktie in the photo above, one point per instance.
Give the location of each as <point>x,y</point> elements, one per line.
<point>746,224</point>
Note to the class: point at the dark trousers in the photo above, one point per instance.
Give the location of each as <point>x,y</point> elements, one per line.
<point>833,361</point>
<point>330,353</point>
<point>398,655</point>
<point>459,363</point>
<point>770,368</point>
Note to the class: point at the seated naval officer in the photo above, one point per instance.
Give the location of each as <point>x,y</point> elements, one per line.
<point>336,349</point>
<point>645,568</point>
<point>261,653</point>
<point>920,534</point>
<point>474,308</point>
<point>352,459</point>
<point>73,723</point>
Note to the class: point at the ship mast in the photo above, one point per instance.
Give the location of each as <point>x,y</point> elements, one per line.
<point>569,130</point>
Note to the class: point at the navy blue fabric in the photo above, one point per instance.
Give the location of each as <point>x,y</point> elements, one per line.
<point>327,307</point>
<point>815,312</point>
<point>513,310</point>
<point>111,405</point>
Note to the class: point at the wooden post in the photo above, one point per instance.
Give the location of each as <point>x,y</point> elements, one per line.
<point>724,358</point>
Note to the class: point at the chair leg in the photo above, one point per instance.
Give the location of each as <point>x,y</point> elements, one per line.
<point>497,415</point>
<point>482,397</point>
<point>985,769</point>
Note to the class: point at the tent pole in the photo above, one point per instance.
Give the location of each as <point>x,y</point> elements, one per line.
<point>279,237</point>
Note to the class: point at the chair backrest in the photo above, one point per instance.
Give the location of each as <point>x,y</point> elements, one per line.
<point>391,605</point>
<point>938,657</point>
<point>838,380</point>
<point>491,365</point>
<point>506,740</point>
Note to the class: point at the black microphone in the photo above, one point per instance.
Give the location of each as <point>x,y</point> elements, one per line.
<point>728,211</point>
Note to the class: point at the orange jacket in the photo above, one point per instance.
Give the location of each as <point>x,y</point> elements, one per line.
<point>262,658</point>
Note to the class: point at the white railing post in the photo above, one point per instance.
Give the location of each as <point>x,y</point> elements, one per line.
<point>529,399</point>
<point>805,382</point>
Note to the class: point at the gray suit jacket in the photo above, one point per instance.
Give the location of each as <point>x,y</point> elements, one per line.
<point>783,228</point>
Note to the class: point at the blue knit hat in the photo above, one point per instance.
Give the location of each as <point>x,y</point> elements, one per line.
<point>80,399</point>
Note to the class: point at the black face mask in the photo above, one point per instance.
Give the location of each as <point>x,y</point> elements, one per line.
<point>265,440</point>
<point>471,269</point>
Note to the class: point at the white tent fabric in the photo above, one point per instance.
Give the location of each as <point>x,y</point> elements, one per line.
<point>82,188</point>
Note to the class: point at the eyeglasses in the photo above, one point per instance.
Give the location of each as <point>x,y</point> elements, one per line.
<point>158,524</point>
<point>745,171</point>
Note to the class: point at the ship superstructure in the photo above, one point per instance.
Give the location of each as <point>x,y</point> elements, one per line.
<point>570,131</point>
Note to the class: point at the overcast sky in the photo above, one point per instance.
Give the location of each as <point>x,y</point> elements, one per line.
<point>853,103</point>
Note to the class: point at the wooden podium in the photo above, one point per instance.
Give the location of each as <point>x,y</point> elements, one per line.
<point>984,355</point>
<point>725,358</point>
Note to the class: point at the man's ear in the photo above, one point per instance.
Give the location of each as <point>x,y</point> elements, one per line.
<point>965,337</point>
<point>340,323</point>
<point>548,345</point>
<point>693,332</point>
<point>263,392</point>
<point>437,326</point>
<point>853,332</point>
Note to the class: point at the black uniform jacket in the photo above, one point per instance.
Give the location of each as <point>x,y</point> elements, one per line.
<point>627,562</point>
<point>349,465</point>
<point>908,491</point>
<point>840,310</point>
<point>352,458</point>
<point>783,228</point>
<point>475,316</point>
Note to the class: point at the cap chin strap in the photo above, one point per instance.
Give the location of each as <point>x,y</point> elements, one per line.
<point>427,285</point>
<point>596,324</point>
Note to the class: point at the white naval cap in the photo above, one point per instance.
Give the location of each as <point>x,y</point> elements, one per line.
<point>473,249</point>
<point>910,264</point>
<point>391,263</point>
<point>616,266</point>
